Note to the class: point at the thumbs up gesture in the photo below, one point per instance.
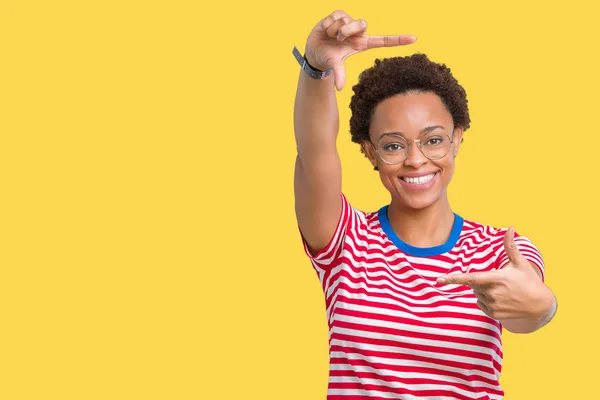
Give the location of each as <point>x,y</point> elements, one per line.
<point>514,294</point>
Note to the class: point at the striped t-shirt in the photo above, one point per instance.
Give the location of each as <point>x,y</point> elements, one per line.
<point>394,333</point>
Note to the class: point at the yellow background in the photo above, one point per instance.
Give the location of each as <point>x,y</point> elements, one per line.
<point>148,243</point>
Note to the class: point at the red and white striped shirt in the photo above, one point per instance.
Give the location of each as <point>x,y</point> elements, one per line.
<point>394,333</point>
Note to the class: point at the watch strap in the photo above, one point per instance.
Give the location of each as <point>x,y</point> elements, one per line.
<point>306,67</point>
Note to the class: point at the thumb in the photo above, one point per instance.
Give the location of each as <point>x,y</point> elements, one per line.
<point>512,251</point>
<point>339,75</point>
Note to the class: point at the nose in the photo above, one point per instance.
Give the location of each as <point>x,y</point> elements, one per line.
<point>415,157</point>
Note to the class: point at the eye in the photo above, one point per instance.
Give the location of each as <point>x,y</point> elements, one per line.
<point>393,147</point>
<point>434,141</point>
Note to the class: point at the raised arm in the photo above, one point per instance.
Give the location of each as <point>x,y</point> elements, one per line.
<point>318,175</point>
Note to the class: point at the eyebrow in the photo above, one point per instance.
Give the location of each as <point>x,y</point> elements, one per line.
<point>423,131</point>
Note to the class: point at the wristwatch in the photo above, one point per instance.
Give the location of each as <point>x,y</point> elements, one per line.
<point>306,67</point>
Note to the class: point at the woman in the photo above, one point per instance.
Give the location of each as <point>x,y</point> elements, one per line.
<point>416,296</point>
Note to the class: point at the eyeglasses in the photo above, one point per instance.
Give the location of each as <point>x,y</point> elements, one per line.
<point>394,149</point>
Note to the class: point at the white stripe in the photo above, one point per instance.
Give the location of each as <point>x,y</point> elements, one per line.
<point>412,387</point>
<point>401,260</point>
<point>406,286</point>
<point>413,341</point>
<point>368,393</point>
<point>399,299</point>
<point>413,375</point>
<point>403,363</point>
<point>419,320</point>
<point>407,301</point>
<point>476,243</point>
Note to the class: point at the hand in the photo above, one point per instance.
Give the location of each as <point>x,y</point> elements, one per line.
<point>337,37</point>
<point>515,291</point>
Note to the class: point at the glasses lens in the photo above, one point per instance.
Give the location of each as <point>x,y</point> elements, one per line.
<point>392,149</point>
<point>436,146</point>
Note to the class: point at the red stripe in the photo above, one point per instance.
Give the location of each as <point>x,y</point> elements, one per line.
<point>421,393</point>
<point>400,355</point>
<point>441,349</point>
<point>430,371</point>
<point>416,304</point>
<point>425,314</point>
<point>355,345</point>
<point>399,369</point>
<point>423,321</point>
<point>347,264</point>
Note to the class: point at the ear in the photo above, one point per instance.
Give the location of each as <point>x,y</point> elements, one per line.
<point>367,148</point>
<point>458,138</point>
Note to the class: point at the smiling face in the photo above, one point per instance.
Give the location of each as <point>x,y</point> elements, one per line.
<point>417,182</point>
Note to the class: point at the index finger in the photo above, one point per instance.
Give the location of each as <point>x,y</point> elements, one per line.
<point>389,41</point>
<point>473,279</point>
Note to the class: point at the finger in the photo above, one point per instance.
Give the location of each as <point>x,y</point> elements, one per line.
<point>481,296</point>
<point>512,251</point>
<point>331,18</point>
<point>339,75</point>
<point>474,279</point>
<point>334,28</point>
<point>389,41</point>
<point>354,28</point>
<point>484,308</point>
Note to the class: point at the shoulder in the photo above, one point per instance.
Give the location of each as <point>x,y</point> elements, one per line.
<point>365,226</point>
<point>477,229</point>
<point>480,237</point>
<point>365,219</point>
<point>490,236</point>
<point>493,233</point>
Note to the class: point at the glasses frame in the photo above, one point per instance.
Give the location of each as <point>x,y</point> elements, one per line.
<point>419,145</point>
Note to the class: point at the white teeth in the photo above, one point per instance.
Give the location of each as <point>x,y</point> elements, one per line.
<point>420,180</point>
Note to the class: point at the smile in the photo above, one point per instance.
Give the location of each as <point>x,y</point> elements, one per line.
<point>421,180</point>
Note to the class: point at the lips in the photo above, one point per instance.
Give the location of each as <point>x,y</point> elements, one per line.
<point>419,181</point>
<point>422,178</point>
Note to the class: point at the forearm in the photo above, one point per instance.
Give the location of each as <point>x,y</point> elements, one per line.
<point>318,176</point>
<point>316,118</point>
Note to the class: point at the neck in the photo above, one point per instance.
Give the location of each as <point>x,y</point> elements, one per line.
<point>427,227</point>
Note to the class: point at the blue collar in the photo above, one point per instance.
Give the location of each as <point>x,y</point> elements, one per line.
<point>420,251</point>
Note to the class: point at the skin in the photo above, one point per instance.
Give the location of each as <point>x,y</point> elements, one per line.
<point>318,176</point>
<point>515,295</point>
<point>421,218</point>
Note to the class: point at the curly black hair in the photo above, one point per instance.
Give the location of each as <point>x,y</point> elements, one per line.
<point>398,75</point>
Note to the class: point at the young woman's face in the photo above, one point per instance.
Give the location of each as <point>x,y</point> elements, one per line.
<point>417,182</point>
